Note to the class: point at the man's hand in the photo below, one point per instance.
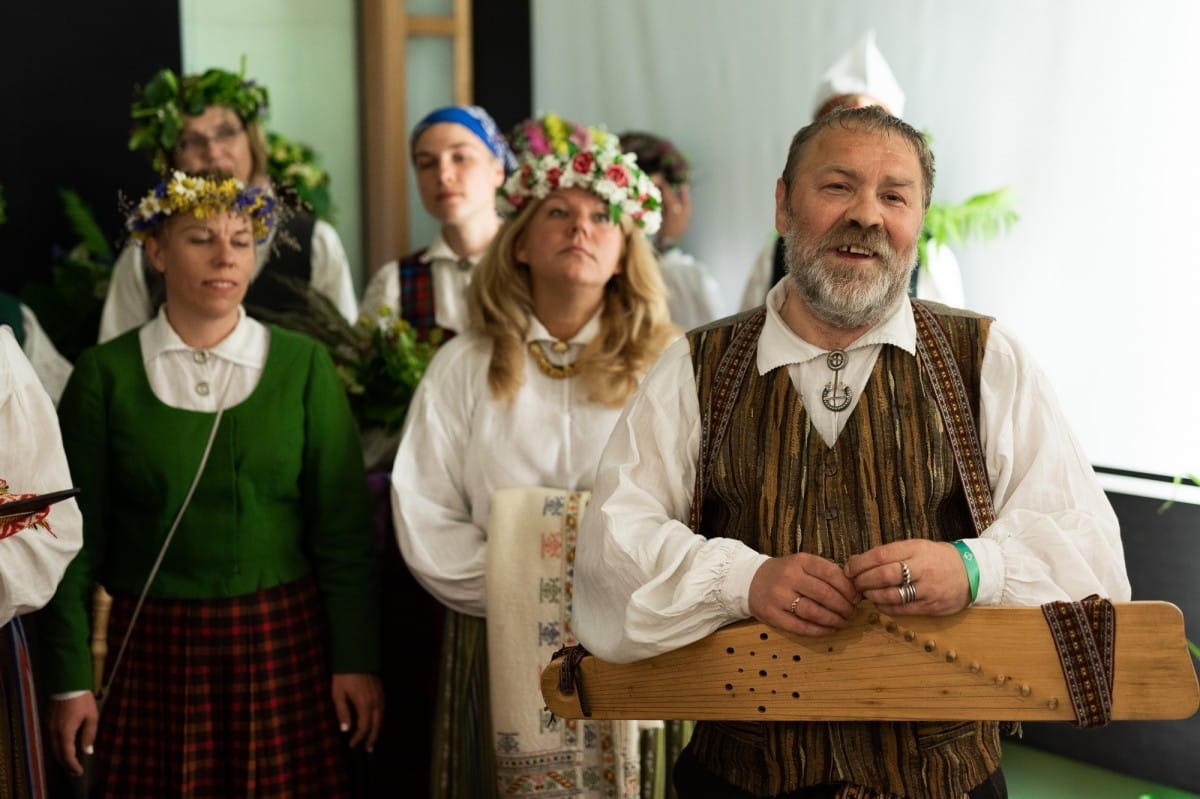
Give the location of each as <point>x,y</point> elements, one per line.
<point>803,594</point>
<point>359,702</point>
<point>935,570</point>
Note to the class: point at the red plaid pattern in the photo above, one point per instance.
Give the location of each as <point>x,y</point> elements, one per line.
<point>223,698</point>
<point>416,296</point>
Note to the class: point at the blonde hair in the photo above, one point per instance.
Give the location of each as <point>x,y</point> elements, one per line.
<point>635,325</point>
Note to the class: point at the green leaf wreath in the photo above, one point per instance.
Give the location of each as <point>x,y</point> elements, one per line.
<point>159,107</point>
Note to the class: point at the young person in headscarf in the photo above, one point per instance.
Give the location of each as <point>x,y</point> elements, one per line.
<point>226,513</point>
<point>567,313</point>
<point>861,77</point>
<point>693,294</point>
<point>460,158</point>
<point>212,123</point>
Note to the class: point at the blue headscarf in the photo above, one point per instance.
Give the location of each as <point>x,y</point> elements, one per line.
<point>474,119</point>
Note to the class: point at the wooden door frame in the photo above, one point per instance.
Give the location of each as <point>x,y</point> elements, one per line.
<point>384,30</point>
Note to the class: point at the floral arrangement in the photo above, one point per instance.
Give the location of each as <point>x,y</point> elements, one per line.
<point>381,369</point>
<point>159,107</point>
<point>297,166</point>
<point>379,359</point>
<point>203,197</point>
<point>555,154</point>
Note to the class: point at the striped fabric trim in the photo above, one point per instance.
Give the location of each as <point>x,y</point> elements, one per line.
<point>23,772</point>
<point>1084,635</point>
<point>951,396</point>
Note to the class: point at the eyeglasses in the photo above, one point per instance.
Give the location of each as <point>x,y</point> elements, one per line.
<point>198,142</point>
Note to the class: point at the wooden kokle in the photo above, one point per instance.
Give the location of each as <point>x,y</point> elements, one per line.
<point>985,663</point>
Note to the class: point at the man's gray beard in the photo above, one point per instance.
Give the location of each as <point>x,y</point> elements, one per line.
<point>843,296</point>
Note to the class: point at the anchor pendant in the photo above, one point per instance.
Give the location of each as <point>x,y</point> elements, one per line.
<point>835,399</point>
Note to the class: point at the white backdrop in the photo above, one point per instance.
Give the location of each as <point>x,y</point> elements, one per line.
<point>1084,107</point>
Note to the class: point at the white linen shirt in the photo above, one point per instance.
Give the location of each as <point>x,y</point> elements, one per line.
<point>48,363</point>
<point>646,584</point>
<point>460,444</point>
<point>127,304</point>
<point>693,295</point>
<point>450,276</point>
<point>33,462</point>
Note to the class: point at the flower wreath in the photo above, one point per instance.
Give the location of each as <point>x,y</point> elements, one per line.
<point>656,154</point>
<point>159,107</point>
<point>555,154</point>
<point>192,194</point>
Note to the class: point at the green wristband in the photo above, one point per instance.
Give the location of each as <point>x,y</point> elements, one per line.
<point>972,567</point>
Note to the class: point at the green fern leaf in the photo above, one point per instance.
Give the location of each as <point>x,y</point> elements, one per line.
<point>982,217</point>
<point>83,223</point>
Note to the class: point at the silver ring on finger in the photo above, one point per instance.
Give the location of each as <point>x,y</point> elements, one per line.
<point>795,602</point>
<point>905,574</point>
<point>908,593</point>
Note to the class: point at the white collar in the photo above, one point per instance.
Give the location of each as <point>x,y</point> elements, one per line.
<point>439,250</point>
<point>538,332</point>
<point>246,344</point>
<point>779,345</point>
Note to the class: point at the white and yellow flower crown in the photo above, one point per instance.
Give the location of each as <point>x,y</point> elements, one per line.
<point>193,194</point>
<point>555,154</point>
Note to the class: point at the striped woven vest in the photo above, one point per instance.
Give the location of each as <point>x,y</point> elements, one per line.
<point>417,305</point>
<point>890,476</point>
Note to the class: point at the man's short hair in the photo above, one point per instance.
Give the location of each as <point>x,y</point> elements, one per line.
<point>874,119</point>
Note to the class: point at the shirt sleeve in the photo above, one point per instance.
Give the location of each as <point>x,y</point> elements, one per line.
<point>32,461</point>
<point>127,304</point>
<point>644,582</point>
<point>48,363</point>
<point>331,270</point>
<point>337,509</point>
<point>383,289</point>
<point>431,505</point>
<point>1056,537</point>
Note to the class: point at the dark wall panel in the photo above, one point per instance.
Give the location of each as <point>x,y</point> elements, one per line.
<point>503,72</point>
<point>68,68</point>
<point>1162,553</point>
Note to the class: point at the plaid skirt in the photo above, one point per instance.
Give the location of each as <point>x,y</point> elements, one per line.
<point>222,698</point>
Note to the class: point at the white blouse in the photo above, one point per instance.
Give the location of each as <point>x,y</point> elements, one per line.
<point>646,584</point>
<point>460,444</point>
<point>32,461</point>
